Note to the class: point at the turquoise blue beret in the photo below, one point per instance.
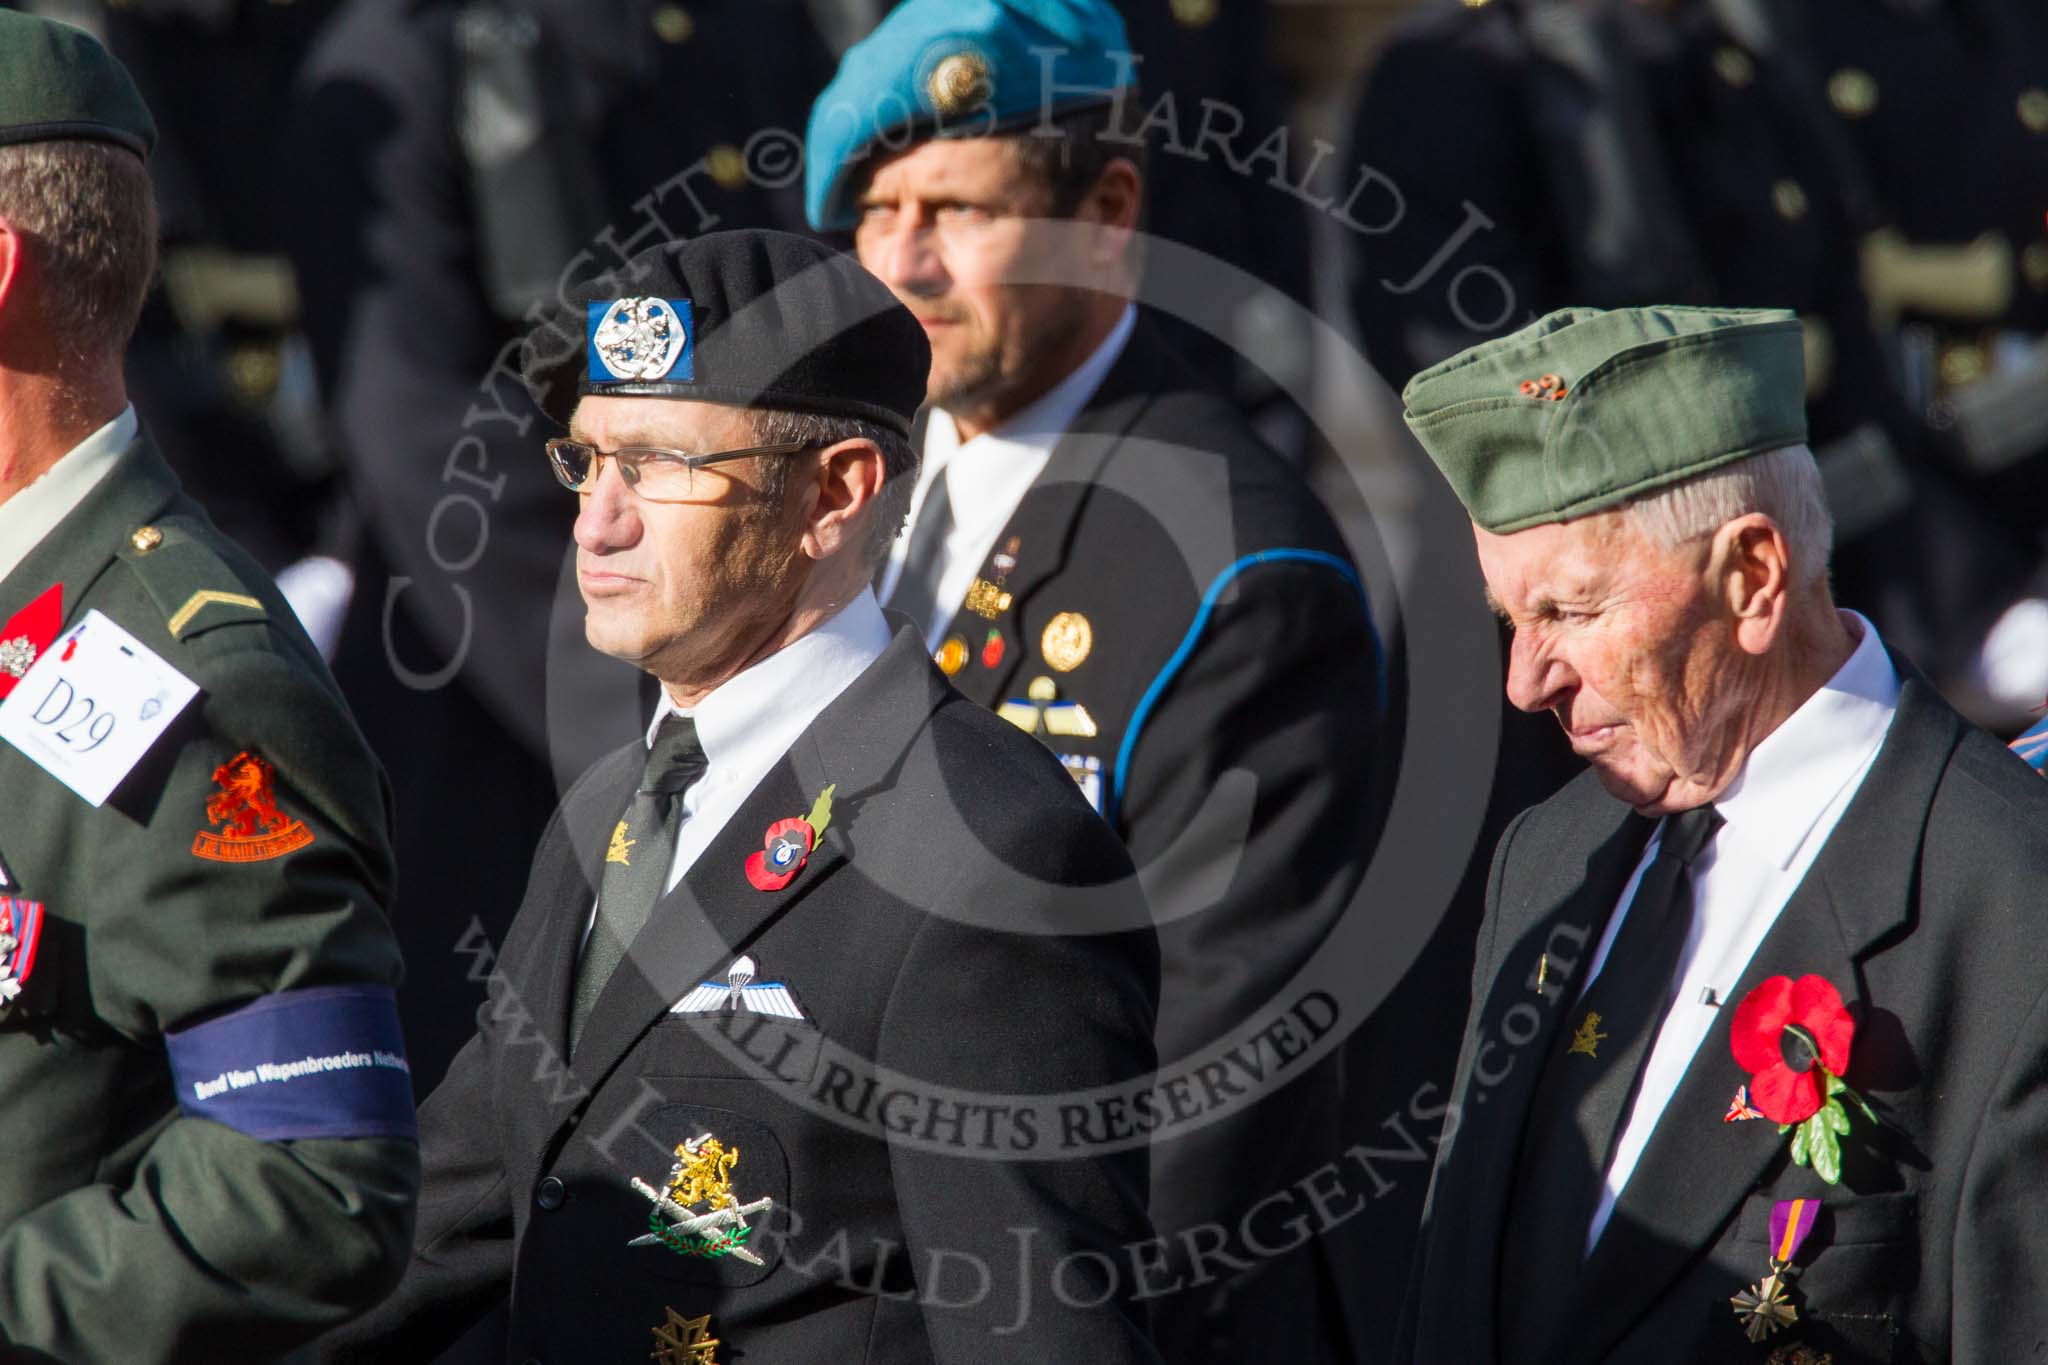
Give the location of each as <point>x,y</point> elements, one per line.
<point>958,68</point>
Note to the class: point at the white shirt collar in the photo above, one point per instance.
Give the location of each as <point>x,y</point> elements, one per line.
<point>34,512</point>
<point>754,716</point>
<point>1793,777</point>
<point>987,477</point>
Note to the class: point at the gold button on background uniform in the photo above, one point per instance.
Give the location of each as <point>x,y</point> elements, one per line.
<point>2034,264</point>
<point>1853,92</point>
<point>728,167</point>
<point>1788,197</point>
<point>2033,107</point>
<point>145,539</point>
<point>1194,13</point>
<point>1734,66</point>
<point>673,24</point>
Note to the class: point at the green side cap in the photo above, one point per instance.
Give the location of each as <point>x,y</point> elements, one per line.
<point>1588,408</point>
<point>57,83</point>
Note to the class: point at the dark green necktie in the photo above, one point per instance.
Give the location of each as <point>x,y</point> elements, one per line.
<point>1588,1085</point>
<point>636,864</point>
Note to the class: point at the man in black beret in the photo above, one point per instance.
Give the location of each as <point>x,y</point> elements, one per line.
<point>771,1064</point>
<point>208,1123</point>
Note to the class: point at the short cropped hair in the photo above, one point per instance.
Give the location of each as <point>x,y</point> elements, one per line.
<point>1070,161</point>
<point>899,465</point>
<point>1783,484</point>
<point>87,215</point>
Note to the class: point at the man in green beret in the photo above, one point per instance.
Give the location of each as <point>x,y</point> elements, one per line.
<point>1756,1045</point>
<point>208,1120</point>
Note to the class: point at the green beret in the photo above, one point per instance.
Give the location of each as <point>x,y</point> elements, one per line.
<point>57,83</point>
<point>1587,408</point>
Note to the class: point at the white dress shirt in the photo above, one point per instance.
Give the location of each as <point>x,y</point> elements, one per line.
<point>747,723</point>
<point>30,515</point>
<point>987,477</point>
<point>1779,812</point>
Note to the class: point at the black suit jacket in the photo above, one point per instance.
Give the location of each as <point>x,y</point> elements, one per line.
<point>945,822</point>
<point>1924,910</point>
<point>1236,693</point>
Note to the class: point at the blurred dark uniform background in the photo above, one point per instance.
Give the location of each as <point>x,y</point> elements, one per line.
<point>1607,152</point>
<point>219,363</point>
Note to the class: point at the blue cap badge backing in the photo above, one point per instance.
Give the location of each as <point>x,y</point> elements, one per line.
<point>639,340</point>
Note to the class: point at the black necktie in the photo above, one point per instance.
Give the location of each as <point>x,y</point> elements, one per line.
<point>636,864</point>
<point>1589,1083</point>
<point>917,588</point>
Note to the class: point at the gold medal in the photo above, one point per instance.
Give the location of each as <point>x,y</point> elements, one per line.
<point>684,1341</point>
<point>1765,1307</point>
<point>1066,641</point>
<point>986,600</point>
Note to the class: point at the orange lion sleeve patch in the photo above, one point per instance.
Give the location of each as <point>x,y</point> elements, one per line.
<point>251,828</point>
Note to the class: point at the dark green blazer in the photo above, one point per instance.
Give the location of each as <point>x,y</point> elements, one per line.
<point>130,1230</point>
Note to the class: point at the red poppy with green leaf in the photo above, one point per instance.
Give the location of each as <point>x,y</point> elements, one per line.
<point>788,846</point>
<point>1793,1038</point>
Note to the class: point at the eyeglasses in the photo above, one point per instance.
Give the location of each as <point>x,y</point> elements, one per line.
<point>653,474</point>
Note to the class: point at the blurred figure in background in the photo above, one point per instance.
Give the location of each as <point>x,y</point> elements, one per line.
<point>1211,97</point>
<point>459,164</point>
<point>1944,105</point>
<point>219,364</point>
<point>1646,151</point>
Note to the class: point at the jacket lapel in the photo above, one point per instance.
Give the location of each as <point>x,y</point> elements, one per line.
<point>714,913</point>
<point>1044,523</point>
<point>1697,1170</point>
<point>1556,928</point>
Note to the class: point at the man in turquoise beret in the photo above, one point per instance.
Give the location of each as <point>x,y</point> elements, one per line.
<point>1103,551</point>
<point>208,1120</point>
<point>1755,1052</point>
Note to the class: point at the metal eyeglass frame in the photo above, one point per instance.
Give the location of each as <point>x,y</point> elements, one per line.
<point>628,458</point>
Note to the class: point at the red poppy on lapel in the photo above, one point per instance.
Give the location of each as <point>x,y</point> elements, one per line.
<point>787,846</point>
<point>1785,1032</point>
<point>1793,1038</point>
<point>28,633</point>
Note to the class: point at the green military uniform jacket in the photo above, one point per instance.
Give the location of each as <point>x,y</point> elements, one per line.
<point>131,1227</point>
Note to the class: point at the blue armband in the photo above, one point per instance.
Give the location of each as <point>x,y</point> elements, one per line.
<point>327,1062</point>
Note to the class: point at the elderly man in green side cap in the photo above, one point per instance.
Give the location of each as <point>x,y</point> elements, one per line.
<point>207,1121</point>
<point>1756,1047</point>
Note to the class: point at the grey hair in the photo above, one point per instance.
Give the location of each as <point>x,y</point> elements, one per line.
<point>88,217</point>
<point>1783,484</point>
<point>899,465</point>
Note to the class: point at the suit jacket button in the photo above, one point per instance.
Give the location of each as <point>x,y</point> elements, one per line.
<point>549,1194</point>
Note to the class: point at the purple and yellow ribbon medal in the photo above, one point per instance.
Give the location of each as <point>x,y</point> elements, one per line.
<point>697,1214</point>
<point>1766,1306</point>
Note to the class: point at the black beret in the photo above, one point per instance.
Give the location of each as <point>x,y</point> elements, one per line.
<point>57,83</point>
<point>752,318</point>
